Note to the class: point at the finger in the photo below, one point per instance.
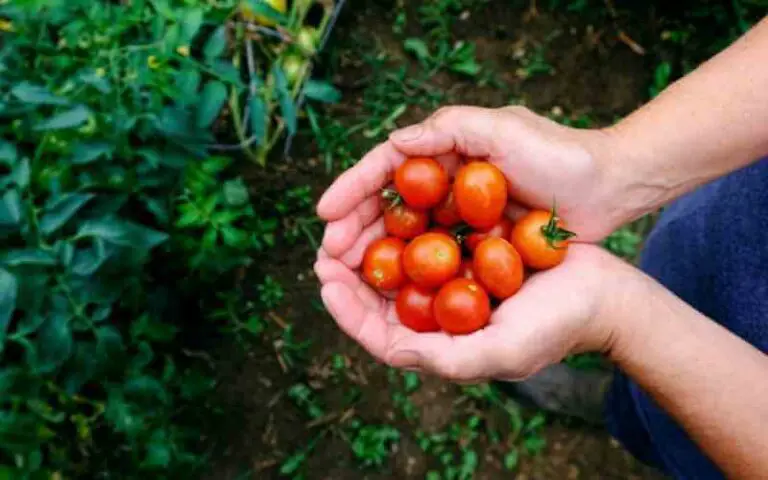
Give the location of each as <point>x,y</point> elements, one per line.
<point>367,326</point>
<point>341,234</point>
<point>459,358</point>
<point>359,182</point>
<point>515,211</point>
<point>333,271</point>
<point>354,256</point>
<point>471,131</point>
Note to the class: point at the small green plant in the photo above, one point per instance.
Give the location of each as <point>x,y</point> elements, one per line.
<point>624,242</point>
<point>372,444</point>
<point>305,398</point>
<point>271,293</point>
<point>453,448</point>
<point>290,351</point>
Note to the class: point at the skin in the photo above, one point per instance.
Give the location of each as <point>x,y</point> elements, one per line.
<point>684,360</point>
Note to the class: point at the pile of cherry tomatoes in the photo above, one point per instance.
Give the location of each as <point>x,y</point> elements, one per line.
<point>450,252</point>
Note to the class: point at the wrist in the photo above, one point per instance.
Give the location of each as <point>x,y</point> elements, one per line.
<point>632,188</point>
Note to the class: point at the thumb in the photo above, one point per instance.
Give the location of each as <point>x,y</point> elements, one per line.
<point>470,131</point>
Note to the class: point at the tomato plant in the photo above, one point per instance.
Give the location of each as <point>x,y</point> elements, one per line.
<point>422,182</point>
<point>414,308</point>
<point>541,239</point>
<point>432,259</point>
<point>498,267</point>
<point>501,230</point>
<point>480,192</point>
<point>462,306</point>
<point>404,222</point>
<point>383,263</point>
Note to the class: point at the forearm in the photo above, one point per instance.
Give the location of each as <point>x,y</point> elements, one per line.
<point>711,381</point>
<point>713,121</point>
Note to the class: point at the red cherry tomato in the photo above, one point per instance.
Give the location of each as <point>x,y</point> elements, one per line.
<point>422,182</point>
<point>462,307</point>
<point>414,308</point>
<point>431,259</point>
<point>541,239</point>
<point>382,263</point>
<point>466,270</point>
<point>446,213</point>
<point>480,193</point>
<point>404,222</point>
<point>498,267</point>
<point>500,230</point>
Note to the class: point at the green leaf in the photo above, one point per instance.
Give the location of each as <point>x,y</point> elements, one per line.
<point>215,44</point>
<point>29,257</point>
<point>34,94</point>
<point>287,107</point>
<point>10,208</point>
<point>54,343</point>
<point>150,329</point>
<point>72,118</point>
<point>122,232</point>
<point>9,289</point>
<point>511,459</point>
<point>321,91</point>
<point>236,192</point>
<point>187,83</point>
<point>418,48</point>
<point>158,451</point>
<point>63,209</point>
<point>22,432</point>
<point>86,261</point>
<point>8,153</point>
<point>191,20</point>
<point>263,9</point>
<point>258,117</point>
<point>21,173</point>
<point>211,101</point>
<point>109,344</point>
<point>88,152</point>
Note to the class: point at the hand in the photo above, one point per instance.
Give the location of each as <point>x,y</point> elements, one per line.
<point>556,313</point>
<point>542,160</point>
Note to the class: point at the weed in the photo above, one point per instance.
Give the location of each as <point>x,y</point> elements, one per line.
<point>372,444</point>
<point>270,292</point>
<point>290,351</point>
<point>305,398</point>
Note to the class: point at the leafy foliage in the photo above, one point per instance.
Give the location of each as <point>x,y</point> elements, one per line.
<point>116,225</point>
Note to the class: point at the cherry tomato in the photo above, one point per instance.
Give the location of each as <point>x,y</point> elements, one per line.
<point>498,267</point>
<point>422,182</point>
<point>404,222</point>
<point>541,239</point>
<point>466,270</point>
<point>480,193</point>
<point>501,230</point>
<point>462,306</point>
<point>414,308</point>
<point>446,213</point>
<point>432,259</point>
<point>382,263</point>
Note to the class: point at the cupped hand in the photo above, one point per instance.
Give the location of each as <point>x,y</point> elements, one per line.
<point>542,160</point>
<point>556,313</point>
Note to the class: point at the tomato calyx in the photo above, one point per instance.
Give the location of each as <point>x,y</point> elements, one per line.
<point>553,233</point>
<point>391,197</point>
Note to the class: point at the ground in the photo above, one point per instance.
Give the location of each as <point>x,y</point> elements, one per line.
<point>308,401</point>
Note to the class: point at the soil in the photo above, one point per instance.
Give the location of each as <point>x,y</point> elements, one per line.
<point>594,74</point>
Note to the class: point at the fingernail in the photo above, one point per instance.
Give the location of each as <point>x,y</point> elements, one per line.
<point>408,134</point>
<point>405,359</point>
